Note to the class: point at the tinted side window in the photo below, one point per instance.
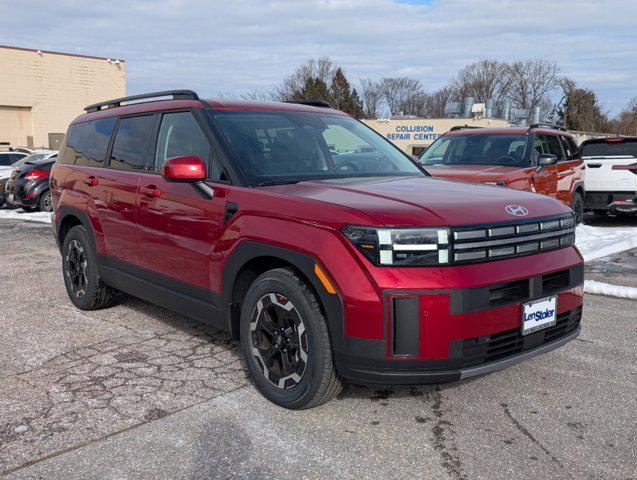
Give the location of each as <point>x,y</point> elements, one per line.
<point>132,142</point>
<point>86,143</point>
<point>570,149</point>
<point>16,156</point>
<point>5,160</point>
<point>179,135</point>
<point>553,144</point>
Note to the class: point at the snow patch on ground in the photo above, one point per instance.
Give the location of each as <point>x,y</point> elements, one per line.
<point>600,288</point>
<point>598,242</point>
<point>20,214</point>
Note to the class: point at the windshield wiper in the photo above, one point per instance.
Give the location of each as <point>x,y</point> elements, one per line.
<point>276,182</point>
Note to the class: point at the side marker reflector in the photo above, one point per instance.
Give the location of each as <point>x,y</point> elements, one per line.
<point>324,280</point>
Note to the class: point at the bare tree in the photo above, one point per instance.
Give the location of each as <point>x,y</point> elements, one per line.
<point>481,80</point>
<point>626,122</point>
<point>322,68</point>
<point>436,102</point>
<point>372,96</point>
<point>260,95</point>
<point>398,92</point>
<point>531,82</point>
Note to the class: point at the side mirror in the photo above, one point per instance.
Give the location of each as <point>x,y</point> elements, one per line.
<point>186,169</point>
<point>546,160</point>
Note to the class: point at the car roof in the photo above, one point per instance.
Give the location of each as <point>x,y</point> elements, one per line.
<point>506,130</point>
<point>213,103</point>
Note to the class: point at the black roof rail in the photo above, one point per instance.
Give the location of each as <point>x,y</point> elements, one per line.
<point>547,125</point>
<point>462,127</point>
<point>117,102</point>
<point>311,103</point>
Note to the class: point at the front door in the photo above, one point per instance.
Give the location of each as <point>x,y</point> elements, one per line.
<point>178,227</point>
<point>544,179</point>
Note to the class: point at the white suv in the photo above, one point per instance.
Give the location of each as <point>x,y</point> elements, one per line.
<point>611,174</point>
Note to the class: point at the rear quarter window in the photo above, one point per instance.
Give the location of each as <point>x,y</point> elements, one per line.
<point>86,143</point>
<point>602,148</point>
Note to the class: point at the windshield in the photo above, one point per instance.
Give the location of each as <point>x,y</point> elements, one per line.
<point>284,146</point>
<point>610,148</point>
<point>477,149</point>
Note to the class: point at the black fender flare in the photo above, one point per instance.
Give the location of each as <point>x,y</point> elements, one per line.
<point>67,211</point>
<point>580,185</point>
<point>249,250</point>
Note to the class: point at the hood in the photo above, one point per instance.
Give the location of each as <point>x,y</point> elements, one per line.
<point>471,173</point>
<point>424,200</point>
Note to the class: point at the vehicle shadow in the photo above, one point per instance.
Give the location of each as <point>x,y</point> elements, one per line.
<point>610,220</point>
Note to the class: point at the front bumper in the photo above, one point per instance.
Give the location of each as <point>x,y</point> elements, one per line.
<point>611,201</point>
<point>414,372</point>
<point>435,336</point>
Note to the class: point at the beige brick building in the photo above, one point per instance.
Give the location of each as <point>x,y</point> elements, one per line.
<point>412,135</point>
<point>41,92</point>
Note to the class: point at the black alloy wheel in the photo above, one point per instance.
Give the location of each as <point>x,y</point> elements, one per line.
<point>279,340</point>
<point>76,268</point>
<point>286,341</point>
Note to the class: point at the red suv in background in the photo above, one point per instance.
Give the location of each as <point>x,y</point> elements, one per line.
<point>540,158</point>
<point>318,244</point>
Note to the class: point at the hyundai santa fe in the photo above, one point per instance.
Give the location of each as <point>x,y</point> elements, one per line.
<point>327,253</point>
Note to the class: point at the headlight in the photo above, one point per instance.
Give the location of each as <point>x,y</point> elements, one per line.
<point>401,246</point>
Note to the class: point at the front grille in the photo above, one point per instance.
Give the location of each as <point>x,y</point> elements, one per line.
<point>490,348</point>
<point>494,242</point>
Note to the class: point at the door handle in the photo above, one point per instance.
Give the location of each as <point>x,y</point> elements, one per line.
<point>594,165</point>
<point>90,181</point>
<point>150,191</point>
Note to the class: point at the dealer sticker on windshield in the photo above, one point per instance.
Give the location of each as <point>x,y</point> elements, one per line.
<point>539,314</point>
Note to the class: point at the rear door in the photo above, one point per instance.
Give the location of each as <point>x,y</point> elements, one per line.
<point>545,180</point>
<point>179,228</point>
<point>611,164</point>
<point>113,183</point>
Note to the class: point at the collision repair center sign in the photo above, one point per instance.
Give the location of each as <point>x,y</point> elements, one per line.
<point>413,132</point>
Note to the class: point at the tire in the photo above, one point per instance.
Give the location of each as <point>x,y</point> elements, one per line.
<point>577,205</point>
<point>44,203</point>
<point>85,288</point>
<point>281,301</point>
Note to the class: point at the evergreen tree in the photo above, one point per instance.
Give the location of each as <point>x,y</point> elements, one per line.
<point>314,88</point>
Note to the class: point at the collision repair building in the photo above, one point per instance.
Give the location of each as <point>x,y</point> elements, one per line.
<point>41,92</point>
<point>413,135</point>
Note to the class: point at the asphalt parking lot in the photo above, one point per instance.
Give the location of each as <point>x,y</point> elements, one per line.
<point>139,392</point>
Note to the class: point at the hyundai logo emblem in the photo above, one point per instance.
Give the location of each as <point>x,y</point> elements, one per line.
<point>517,210</point>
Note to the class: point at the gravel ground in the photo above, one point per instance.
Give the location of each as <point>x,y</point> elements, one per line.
<point>139,392</point>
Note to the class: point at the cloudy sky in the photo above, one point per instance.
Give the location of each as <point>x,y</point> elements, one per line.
<point>239,45</point>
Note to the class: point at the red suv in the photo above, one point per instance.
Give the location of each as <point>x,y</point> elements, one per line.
<point>540,158</point>
<point>327,252</point>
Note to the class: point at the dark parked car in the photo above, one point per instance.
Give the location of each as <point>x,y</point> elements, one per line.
<point>28,186</point>
<point>324,250</point>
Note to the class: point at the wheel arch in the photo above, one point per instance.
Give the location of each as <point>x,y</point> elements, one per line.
<point>579,188</point>
<point>250,259</point>
<point>69,217</point>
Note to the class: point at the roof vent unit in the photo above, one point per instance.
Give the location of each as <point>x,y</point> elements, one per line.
<point>478,110</point>
<point>506,111</point>
<point>490,110</point>
<point>535,118</point>
<point>468,105</point>
<point>453,110</point>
